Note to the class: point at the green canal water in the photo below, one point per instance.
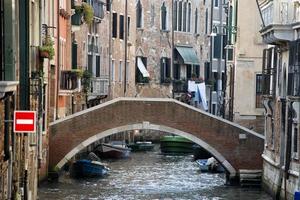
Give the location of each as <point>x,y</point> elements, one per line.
<point>148,176</point>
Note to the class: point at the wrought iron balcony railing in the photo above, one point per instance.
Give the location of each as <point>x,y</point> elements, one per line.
<point>99,86</point>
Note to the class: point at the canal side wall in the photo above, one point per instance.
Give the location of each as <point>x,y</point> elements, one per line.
<point>271,181</point>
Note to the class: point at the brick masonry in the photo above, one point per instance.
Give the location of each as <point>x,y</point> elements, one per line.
<point>223,136</point>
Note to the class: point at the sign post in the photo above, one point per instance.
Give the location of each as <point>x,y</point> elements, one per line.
<point>24,121</point>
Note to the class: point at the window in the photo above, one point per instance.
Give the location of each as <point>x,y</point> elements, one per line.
<point>295,142</point>
<point>196,21</point>
<point>180,16</point>
<point>216,3</point>
<point>269,71</point>
<point>258,91</point>
<point>114,25</point>
<point>90,64</point>
<point>188,71</point>
<point>207,72</point>
<point>176,72</point>
<point>196,71</point>
<point>112,70</point>
<point>128,24</point>
<point>294,69</point>
<point>217,46</point>
<point>189,17</point>
<point>127,71</point>
<point>224,45</point>
<point>139,78</point>
<point>184,16</point>
<point>165,67</point>
<point>175,16</point>
<point>139,14</point>
<point>121,33</point>
<point>120,71</point>
<point>107,5</point>
<point>163,17</point>
<point>97,66</point>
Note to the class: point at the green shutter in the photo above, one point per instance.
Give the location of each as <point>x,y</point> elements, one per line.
<point>74,55</point>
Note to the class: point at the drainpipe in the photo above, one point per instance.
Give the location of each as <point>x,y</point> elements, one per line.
<point>125,43</point>
<point>110,50</point>
<point>172,47</point>
<point>58,58</point>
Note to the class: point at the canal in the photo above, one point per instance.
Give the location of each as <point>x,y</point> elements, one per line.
<point>148,176</point>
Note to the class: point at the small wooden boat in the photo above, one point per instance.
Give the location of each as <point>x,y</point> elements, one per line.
<point>172,144</point>
<point>88,168</point>
<point>141,146</point>
<point>115,149</point>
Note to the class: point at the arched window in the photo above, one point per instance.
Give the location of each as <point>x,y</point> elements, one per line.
<point>180,16</point>
<point>175,15</point>
<point>196,20</point>
<point>139,14</point>
<point>163,17</point>
<point>184,16</point>
<point>189,17</point>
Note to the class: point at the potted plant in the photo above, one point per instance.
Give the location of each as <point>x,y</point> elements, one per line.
<point>86,10</point>
<point>47,50</point>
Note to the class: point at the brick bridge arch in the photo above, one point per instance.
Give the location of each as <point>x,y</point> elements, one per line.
<point>232,145</point>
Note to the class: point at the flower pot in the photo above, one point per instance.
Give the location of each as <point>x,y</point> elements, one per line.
<point>44,54</point>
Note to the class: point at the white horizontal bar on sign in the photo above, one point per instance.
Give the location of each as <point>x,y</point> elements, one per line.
<point>24,121</point>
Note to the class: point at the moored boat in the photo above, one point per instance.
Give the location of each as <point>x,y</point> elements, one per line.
<point>88,168</point>
<point>115,149</point>
<point>173,144</point>
<point>210,165</point>
<point>141,146</point>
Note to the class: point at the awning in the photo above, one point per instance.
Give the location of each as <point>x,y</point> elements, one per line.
<point>142,68</point>
<point>188,55</point>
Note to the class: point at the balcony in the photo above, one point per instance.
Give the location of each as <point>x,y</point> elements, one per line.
<point>278,19</point>
<point>99,86</point>
<point>69,82</point>
<point>180,86</point>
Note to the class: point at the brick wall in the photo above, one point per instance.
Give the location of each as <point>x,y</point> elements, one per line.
<point>219,134</point>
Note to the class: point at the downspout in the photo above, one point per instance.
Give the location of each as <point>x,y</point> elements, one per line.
<point>58,58</point>
<point>211,49</point>
<point>172,47</point>
<point>110,50</point>
<point>261,17</point>
<point>125,43</point>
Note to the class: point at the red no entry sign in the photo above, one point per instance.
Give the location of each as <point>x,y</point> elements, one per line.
<point>24,121</point>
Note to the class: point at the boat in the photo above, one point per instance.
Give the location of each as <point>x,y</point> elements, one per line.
<point>88,168</point>
<point>141,146</point>
<point>210,165</point>
<point>200,153</point>
<point>202,164</point>
<point>172,144</point>
<point>114,149</point>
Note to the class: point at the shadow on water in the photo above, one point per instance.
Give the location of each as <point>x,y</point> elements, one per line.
<point>148,176</point>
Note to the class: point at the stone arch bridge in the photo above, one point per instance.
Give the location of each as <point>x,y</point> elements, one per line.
<point>235,147</point>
